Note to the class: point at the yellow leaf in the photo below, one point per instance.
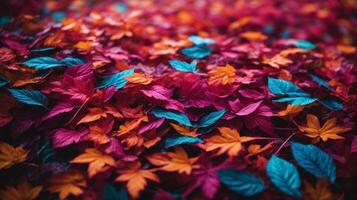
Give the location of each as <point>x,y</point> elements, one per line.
<point>67,183</point>
<point>96,159</point>
<point>222,75</point>
<point>10,156</point>
<point>252,35</point>
<point>227,141</point>
<point>136,179</point>
<point>23,191</point>
<point>184,130</point>
<point>320,192</point>
<point>328,131</point>
<point>139,78</point>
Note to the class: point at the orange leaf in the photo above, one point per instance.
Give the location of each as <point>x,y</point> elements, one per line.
<point>23,191</point>
<point>84,46</point>
<point>23,82</point>
<point>177,161</point>
<point>328,131</point>
<point>346,49</point>
<point>96,159</point>
<point>127,127</point>
<point>228,141</point>
<point>222,75</point>
<point>136,179</point>
<point>10,155</point>
<point>320,192</point>
<point>277,61</point>
<point>252,35</point>
<point>184,130</point>
<point>98,134</point>
<point>98,113</point>
<point>139,78</point>
<point>55,39</point>
<point>291,110</point>
<point>67,183</point>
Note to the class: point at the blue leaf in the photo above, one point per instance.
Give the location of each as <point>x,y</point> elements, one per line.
<point>296,100</point>
<point>294,95</point>
<point>69,61</point>
<point>173,141</point>
<point>331,104</point>
<point>304,44</point>
<point>314,160</point>
<point>241,182</point>
<point>121,7</point>
<point>210,119</point>
<point>3,81</point>
<point>196,51</point>
<point>110,193</point>
<point>41,63</point>
<point>284,176</point>
<point>58,16</point>
<point>4,20</point>
<point>320,81</point>
<point>118,79</point>
<point>172,115</point>
<point>197,40</point>
<point>184,66</point>
<point>30,97</point>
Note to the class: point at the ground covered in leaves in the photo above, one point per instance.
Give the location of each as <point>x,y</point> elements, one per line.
<point>215,99</point>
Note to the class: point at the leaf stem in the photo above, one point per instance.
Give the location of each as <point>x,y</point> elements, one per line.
<point>284,143</point>
<point>77,112</point>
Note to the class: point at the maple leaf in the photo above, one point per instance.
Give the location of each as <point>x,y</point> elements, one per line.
<point>136,179</point>
<point>131,125</point>
<point>139,78</point>
<point>222,75</point>
<point>98,113</point>
<point>328,131</point>
<point>320,192</point>
<point>177,161</point>
<point>96,159</point>
<point>291,110</point>
<point>229,140</point>
<point>10,156</point>
<point>23,191</point>
<point>277,61</point>
<point>67,183</point>
<point>184,130</point>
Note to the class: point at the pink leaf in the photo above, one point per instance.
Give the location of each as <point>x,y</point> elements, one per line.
<point>249,109</point>
<point>64,137</point>
<point>60,108</point>
<point>158,92</point>
<point>152,125</point>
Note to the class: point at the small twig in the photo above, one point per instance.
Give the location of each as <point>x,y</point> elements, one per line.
<point>77,112</point>
<point>284,143</point>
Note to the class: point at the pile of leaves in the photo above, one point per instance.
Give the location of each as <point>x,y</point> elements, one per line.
<point>188,99</point>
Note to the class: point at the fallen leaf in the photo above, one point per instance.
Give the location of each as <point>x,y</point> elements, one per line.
<point>23,191</point>
<point>67,183</point>
<point>10,155</point>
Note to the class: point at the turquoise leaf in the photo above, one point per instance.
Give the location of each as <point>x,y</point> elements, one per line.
<point>241,182</point>
<point>293,94</point>
<point>118,79</point>
<point>42,63</point>
<point>172,115</point>
<point>197,40</point>
<point>210,119</point>
<point>284,176</point>
<point>314,160</point>
<point>304,44</point>
<point>196,51</point>
<point>184,66</point>
<point>173,141</point>
<point>30,97</point>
